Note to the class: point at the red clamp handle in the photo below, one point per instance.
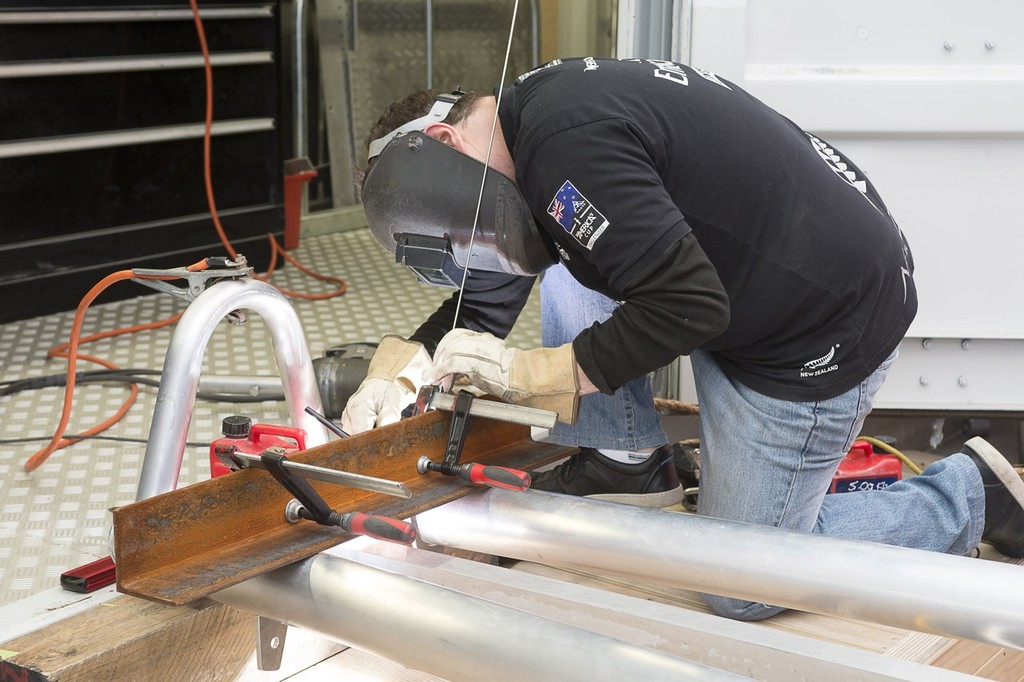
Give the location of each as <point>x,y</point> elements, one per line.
<point>379,527</point>
<point>496,477</point>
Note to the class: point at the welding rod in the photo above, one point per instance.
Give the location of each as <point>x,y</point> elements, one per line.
<point>330,426</point>
<point>315,473</point>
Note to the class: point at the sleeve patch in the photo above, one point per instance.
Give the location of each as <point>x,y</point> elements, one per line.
<point>577,216</point>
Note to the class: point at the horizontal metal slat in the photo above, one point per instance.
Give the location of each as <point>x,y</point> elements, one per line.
<point>74,67</point>
<point>119,138</point>
<point>112,15</point>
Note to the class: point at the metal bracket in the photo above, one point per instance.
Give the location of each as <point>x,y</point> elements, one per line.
<point>494,476</point>
<point>318,510</point>
<point>310,506</point>
<point>270,636</point>
<point>197,281</point>
<point>457,432</point>
<point>431,397</point>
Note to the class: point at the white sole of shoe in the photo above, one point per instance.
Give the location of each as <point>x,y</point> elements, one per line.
<point>999,465</point>
<point>660,500</point>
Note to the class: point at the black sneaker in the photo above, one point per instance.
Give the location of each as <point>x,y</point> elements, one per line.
<point>686,458</point>
<point>588,473</point>
<point>1004,497</point>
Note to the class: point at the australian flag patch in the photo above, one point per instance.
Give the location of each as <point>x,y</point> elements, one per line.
<point>577,216</point>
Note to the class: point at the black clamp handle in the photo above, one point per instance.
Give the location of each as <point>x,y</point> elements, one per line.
<point>494,476</point>
<point>308,504</point>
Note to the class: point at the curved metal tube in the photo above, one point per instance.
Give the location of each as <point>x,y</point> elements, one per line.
<point>183,364</point>
<point>443,632</point>
<point>906,588</point>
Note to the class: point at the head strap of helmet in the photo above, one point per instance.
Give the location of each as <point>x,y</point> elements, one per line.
<point>442,107</point>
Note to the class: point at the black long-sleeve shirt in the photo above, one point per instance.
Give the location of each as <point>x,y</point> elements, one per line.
<point>716,221</point>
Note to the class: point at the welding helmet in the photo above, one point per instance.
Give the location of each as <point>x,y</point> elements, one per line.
<point>420,197</point>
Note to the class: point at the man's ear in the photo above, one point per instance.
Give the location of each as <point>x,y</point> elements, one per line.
<point>442,132</point>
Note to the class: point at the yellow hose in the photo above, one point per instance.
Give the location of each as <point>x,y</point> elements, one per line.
<point>882,445</point>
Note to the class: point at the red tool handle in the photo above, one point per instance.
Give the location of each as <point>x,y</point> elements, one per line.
<point>290,432</point>
<point>380,527</point>
<point>496,477</point>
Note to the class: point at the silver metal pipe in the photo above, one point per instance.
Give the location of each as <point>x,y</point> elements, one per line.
<point>299,105</point>
<point>445,633</point>
<point>255,386</point>
<point>534,34</point>
<point>907,588</point>
<point>183,364</point>
<point>74,67</point>
<point>96,16</point>
<point>123,138</point>
<point>429,25</point>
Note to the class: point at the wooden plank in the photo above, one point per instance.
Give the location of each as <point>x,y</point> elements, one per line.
<point>983,660</point>
<point>189,543</point>
<point>133,639</point>
<point>921,646</point>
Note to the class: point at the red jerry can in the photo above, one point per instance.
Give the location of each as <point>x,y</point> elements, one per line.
<point>252,439</point>
<point>865,469</point>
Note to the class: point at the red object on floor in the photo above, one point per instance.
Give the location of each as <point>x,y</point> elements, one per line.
<point>253,439</point>
<point>865,469</point>
<point>89,577</point>
<point>297,172</point>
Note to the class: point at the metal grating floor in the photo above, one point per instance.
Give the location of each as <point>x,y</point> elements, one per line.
<point>57,517</point>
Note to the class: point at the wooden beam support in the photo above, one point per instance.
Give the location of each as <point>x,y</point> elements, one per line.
<point>132,639</point>
<point>187,544</point>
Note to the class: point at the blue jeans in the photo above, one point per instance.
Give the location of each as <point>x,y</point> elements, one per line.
<point>770,462</point>
<point>624,421</point>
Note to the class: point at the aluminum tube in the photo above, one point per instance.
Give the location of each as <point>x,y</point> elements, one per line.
<point>183,363</point>
<point>299,150</point>
<point>429,47</point>
<point>907,588</point>
<point>445,633</point>
<point>121,138</point>
<point>255,386</point>
<point>534,34</point>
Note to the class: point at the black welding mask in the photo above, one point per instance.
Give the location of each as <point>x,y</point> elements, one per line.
<point>420,197</point>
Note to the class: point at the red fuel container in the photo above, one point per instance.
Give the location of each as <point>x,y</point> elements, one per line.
<point>253,439</point>
<point>865,469</point>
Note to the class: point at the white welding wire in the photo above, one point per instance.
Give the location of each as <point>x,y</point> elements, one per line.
<point>487,162</point>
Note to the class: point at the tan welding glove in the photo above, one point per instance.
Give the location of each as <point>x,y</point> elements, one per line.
<point>542,377</point>
<point>392,380</point>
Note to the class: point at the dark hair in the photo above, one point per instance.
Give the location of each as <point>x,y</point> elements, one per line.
<point>408,108</point>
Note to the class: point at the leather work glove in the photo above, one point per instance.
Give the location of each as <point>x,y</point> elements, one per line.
<point>392,380</point>
<point>542,377</point>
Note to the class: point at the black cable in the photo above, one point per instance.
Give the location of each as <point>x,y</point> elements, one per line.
<point>127,376</point>
<point>47,381</point>
<point>18,385</point>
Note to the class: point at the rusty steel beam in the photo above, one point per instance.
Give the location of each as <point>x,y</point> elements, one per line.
<point>184,545</point>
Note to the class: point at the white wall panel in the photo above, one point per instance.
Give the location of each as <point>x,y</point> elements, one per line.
<point>927,97</point>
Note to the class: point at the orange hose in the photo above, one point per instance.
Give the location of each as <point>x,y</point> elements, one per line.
<point>70,349</point>
<point>275,247</point>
